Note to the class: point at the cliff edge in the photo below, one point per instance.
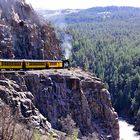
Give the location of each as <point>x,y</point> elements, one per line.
<point>43,97</point>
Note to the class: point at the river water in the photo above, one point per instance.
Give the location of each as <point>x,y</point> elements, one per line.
<point>127,132</point>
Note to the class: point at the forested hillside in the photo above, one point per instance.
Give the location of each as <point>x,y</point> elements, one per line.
<point>108,44</point>
<point>106,41</point>
<point>112,53</point>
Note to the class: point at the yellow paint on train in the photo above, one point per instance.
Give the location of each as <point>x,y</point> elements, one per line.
<point>11,65</point>
<point>55,64</point>
<point>35,65</point>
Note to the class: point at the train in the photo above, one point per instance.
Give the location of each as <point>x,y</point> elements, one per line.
<point>13,64</point>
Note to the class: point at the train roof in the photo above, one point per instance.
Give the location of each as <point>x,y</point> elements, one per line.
<point>9,60</point>
<point>28,60</point>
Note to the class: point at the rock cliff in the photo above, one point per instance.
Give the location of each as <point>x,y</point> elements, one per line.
<point>42,98</point>
<point>23,34</point>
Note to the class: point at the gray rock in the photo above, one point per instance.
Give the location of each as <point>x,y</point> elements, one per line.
<point>51,95</point>
<point>23,34</point>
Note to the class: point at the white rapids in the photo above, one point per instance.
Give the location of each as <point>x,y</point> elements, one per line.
<point>127,132</point>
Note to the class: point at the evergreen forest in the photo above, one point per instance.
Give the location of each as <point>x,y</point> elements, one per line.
<point>106,41</point>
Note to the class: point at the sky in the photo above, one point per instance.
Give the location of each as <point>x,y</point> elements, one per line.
<point>80,4</point>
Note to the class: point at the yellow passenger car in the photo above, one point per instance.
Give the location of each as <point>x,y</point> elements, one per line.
<point>54,64</point>
<point>34,64</point>
<point>10,64</point>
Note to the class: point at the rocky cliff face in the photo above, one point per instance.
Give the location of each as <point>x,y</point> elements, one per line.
<point>44,97</point>
<point>25,35</point>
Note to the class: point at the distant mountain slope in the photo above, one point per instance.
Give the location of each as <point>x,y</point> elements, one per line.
<point>96,14</point>
<point>50,13</point>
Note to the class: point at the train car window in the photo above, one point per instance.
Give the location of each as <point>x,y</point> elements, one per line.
<point>36,63</point>
<point>53,63</point>
<point>11,63</point>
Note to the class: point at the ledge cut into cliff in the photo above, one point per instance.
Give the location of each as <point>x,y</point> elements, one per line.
<point>43,97</point>
<point>23,34</point>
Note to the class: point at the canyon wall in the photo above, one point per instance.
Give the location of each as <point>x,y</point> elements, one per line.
<point>44,97</point>
<point>25,35</point>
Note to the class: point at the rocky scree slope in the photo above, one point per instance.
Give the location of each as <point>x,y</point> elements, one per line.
<point>42,98</point>
<point>23,34</point>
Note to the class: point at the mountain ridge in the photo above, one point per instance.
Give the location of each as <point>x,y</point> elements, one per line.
<point>90,15</point>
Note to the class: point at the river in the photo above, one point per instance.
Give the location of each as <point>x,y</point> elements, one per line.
<point>127,132</point>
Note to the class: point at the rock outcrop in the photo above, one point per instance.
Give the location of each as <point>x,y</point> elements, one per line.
<point>44,97</point>
<point>137,126</point>
<point>23,34</point>
<point>21,101</point>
